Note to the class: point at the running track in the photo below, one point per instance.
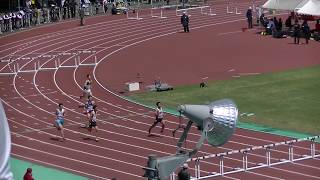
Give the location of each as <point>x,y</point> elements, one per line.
<point>31,98</point>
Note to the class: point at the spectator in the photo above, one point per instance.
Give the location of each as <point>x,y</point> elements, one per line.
<point>105,6</point>
<point>262,21</point>
<point>276,23</point>
<point>280,25</point>
<point>317,26</point>
<point>185,22</point>
<point>259,13</point>
<point>306,31</point>
<point>81,13</point>
<point>28,175</point>
<point>249,17</point>
<point>270,27</point>
<point>288,23</point>
<point>184,174</point>
<point>296,33</point>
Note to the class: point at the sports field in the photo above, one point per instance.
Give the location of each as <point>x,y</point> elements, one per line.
<point>285,100</point>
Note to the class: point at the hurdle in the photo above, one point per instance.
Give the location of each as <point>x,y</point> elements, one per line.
<point>156,16</point>
<point>237,12</point>
<point>207,13</point>
<point>228,11</point>
<point>87,52</point>
<point>246,151</point>
<point>136,17</point>
<point>231,12</point>
<point>195,8</point>
<point>14,72</point>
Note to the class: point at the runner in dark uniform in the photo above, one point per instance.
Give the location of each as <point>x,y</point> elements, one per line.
<point>93,122</point>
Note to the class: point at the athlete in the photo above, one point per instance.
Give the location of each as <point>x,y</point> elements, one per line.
<point>88,107</point>
<point>159,118</point>
<point>93,122</point>
<point>87,87</point>
<point>60,113</point>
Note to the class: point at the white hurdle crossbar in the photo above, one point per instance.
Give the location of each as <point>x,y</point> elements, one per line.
<point>245,152</point>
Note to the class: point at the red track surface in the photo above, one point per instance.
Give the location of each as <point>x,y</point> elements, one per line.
<point>125,48</point>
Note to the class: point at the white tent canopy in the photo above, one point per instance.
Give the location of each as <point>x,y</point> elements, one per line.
<point>312,7</point>
<point>290,5</point>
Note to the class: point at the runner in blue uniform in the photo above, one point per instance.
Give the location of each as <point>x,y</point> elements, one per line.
<point>60,113</point>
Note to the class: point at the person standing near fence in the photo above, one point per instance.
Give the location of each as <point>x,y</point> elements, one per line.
<point>81,13</point>
<point>249,17</point>
<point>185,22</point>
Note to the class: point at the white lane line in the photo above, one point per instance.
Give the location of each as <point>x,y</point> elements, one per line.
<point>32,95</point>
<point>96,146</point>
<point>294,172</point>
<point>74,160</point>
<point>305,165</point>
<point>231,32</point>
<point>258,174</point>
<point>135,146</point>
<point>81,151</point>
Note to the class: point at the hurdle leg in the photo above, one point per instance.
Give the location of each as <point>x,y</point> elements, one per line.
<point>245,160</point>
<point>313,148</point>
<point>221,165</point>
<point>75,61</point>
<point>161,14</point>
<point>291,152</point>
<point>237,12</point>
<point>212,14</point>
<point>268,155</point>
<point>229,12</point>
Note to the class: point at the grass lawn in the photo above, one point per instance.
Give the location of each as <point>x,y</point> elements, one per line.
<point>286,100</point>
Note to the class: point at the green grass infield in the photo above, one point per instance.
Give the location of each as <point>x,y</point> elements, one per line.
<point>284,100</point>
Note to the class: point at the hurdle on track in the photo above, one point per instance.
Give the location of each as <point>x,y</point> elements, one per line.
<point>244,152</point>
<point>231,12</point>
<point>202,10</point>
<point>157,16</point>
<point>207,13</point>
<point>134,17</point>
<point>87,52</point>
